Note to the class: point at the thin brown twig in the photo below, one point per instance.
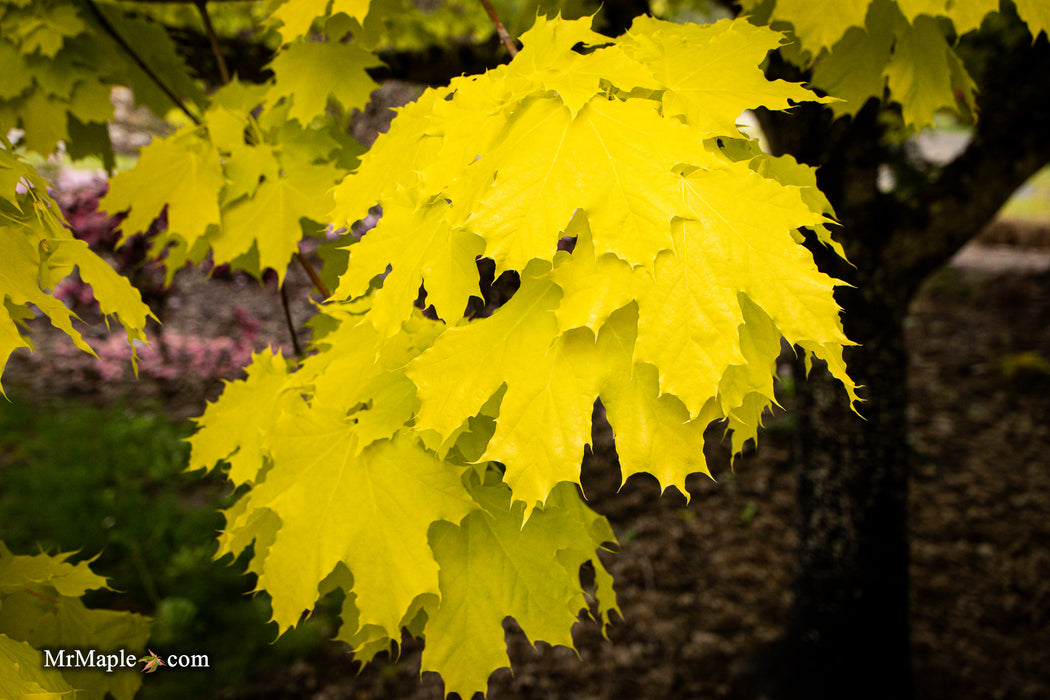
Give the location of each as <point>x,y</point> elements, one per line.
<point>224,74</point>
<point>312,273</point>
<point>115,35</point>
<point>291,326</point>
<point>504,36</point>
<point>213,39</point>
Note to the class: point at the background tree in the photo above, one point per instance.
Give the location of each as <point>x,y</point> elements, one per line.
<point>848,633</point>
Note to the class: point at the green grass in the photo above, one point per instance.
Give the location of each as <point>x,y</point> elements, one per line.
<point>1032,201</point>
<point>110,483</point>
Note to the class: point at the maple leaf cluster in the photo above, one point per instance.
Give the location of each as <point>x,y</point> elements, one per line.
<point>895,48</point>
<point>39,251</point>
<point>430,467</point>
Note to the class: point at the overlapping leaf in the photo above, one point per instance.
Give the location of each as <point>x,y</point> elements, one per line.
<point>309,73</point>
<point>712,75</point>
<point>297,16</point>
<point>235,428</point>
<point>182,172</point>
<point>512,341</point>
<point>391,492</point>
<point>492,566</point>
<point>22,673</point>
<point>654,434</point>
<point>443,256</point>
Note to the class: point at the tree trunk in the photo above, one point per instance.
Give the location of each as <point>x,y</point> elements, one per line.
<point>848,631</point>
<point>848,634</point>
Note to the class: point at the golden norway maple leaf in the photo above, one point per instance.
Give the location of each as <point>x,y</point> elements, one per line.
<point>432,464</point>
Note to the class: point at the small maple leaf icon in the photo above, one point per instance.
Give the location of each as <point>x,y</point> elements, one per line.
<point>152,662</point>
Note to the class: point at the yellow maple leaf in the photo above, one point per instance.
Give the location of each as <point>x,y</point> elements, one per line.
<point>234,429</point>
<point>424,247</point>
<point>711,73</point>
<point>545,418</point>
<point>593,287</point>
<point>1036,14</point>
<point>183,172</point>
<point>308,73</point>
<point>687,271</point>
<point>377,508</point>
<point>297,16</point>
<point>269,221</point>
<point>614,161</point>
<point>492,566</point>
<point>654,434</point>
<point>511,341</point>
<point>549,60</point>
<point>918,73</point>
<point>361,374</point>
<point>820,23</point>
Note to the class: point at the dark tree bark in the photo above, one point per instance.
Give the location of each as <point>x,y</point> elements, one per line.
<point>616,16</point>
<point>848,633</point>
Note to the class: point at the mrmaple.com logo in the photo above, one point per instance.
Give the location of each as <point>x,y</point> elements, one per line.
<point>120,659</point>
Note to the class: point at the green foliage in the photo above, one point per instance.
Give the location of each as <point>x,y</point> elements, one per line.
<point>149,528</point>
<point>59,64</point>
<point>74,458</point>
<point>249,183</point>
<point>38,251</point>
<point>860,49</point>
<point>40,595</point>
<point>40,606</point>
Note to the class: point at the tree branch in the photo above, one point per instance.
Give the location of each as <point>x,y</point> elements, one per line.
<point>213,39</point>
<point>1009,146</point>
<point>291,325</point>
<point>312,273</point>
<point>115,35</point>
<point>500,29</point>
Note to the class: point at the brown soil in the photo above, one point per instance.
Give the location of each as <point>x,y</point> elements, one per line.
<point>703,584</point>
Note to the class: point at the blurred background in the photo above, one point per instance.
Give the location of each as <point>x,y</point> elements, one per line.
<point>92,459</point>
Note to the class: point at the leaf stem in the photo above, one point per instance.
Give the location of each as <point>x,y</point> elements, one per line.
<point>314,277</point>
<point>213,39</point>
<point>291,326</point>
<point>48,598</point>
<point>500,29</point>
<point>115,35</point>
